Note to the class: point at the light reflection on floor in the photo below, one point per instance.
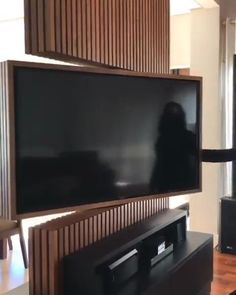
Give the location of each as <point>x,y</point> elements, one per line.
<point>12,271</point>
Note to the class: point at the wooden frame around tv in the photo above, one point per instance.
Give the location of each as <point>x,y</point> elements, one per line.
<point>7,129</point>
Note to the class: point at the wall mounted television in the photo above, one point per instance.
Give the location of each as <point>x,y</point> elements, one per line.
<point>82,136</point>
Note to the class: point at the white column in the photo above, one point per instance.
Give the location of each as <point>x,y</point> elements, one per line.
<point>205,40</point>
<point>228,49</point>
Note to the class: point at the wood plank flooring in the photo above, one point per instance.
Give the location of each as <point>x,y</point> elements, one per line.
<point>224,274</point>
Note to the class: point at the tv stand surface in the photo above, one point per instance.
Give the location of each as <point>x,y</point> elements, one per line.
<point>186,271</point>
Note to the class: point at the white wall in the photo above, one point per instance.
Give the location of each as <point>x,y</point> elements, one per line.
<point>195,44</point>
<point>12,45</point>
<point>180,32</point>
<point>205,36</point>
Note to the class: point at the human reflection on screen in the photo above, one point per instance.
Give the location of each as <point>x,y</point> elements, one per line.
<point>175,151</point>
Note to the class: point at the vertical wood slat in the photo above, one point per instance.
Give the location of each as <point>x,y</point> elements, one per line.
<point>74,28</point>
<point>49,14</point>
<point>53,278</point>
<point>130,34</point>
<point>79,28</point>
<point>58,24</point>
<point>139,37</point>
<point>84,29</point>
<point>27,27</point>
<point>155,36</point>
<point>69,26</point>
<point>97,28</point>
<point>146,35</point>
<point>64,26</point>
<point>113,25</point>
<point>138,57</point>
<point>135,34</point>
<point>106,32</point>
<point>124,21</point>
<point>40,25</point>
<point>93,32</point>
<point>49,245</point>
<point>88,30</point>
<point>37,262</point>
<point>33,28</point>
<point>110,40</point>
<point>44,255</point>
<point>122,33</point>
<point>31,262</point>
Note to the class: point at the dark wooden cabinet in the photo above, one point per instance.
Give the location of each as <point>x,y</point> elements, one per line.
<point>188,270</point>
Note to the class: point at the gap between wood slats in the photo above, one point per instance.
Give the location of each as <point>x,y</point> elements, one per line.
<point>49,247</point>
<point>130,34</point>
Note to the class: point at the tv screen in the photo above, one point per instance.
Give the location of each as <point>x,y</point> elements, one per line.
<point>84,137</point>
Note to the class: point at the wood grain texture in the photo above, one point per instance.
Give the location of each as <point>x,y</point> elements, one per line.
<point>224,281</point>
<point>51,241</point>
<point>5,206</point>
<point>117,33</point>
<point>130,34</point>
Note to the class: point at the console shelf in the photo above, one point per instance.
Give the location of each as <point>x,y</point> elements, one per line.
<point>187,270</point>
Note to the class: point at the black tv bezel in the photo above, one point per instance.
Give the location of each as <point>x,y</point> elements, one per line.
<point>12,65</point>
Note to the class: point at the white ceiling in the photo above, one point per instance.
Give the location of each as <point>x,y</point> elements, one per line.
<point>208,3</point>
<point>12,9</point>
<point>185,6</point>
<point>182,6</point>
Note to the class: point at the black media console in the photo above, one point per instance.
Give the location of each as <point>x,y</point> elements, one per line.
<point>156,256</point>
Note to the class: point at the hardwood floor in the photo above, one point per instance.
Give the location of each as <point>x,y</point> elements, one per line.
<point>224,274</point>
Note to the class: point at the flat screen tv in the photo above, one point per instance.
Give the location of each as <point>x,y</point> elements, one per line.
<point>83,136</point>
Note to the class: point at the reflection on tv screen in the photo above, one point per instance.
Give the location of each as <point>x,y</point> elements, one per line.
<point>84,138</point>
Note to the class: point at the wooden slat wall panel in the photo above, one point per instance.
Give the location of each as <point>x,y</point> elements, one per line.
<point>129,34</point>
<point>50,242</point>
